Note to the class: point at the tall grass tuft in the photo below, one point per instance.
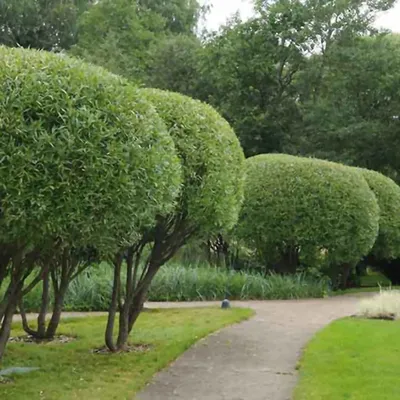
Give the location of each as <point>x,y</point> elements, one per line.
<point>178,283</point>
<point>385,305</point>
<point>91,291</point>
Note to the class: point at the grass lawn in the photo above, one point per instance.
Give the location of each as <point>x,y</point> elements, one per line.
<point>352,359</point>
<point>72,371</point>
<point>374,278</point>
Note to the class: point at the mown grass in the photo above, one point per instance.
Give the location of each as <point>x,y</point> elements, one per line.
<point>352,359</point>
<point>72,371</point>
<point>91,291</point>
<point>374,279</point>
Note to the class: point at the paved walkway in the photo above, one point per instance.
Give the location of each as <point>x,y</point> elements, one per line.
<point>254,360</point>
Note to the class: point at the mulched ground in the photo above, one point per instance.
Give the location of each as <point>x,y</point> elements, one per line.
<point>133,348</point>
<point>61,339</point>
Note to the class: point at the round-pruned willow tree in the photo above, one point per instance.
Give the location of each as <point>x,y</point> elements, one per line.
<point>85,162</point>
<point>212,191</point>
<point>385,254</point>
<point>301,211</point>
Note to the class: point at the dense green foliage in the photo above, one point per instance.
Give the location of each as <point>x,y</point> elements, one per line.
<point>171,57</point>
<point>265,75</point>
<point>300,77</point>
<point>247,73</point>
<point>77,164</point>
<point>125,36</point>
<point>40,24</point>
<point>299,209</point>
<point>354,119</point>
<point>212,161</point>
<point>387,192</point>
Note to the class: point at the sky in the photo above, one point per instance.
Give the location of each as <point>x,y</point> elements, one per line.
<point>223,9</point>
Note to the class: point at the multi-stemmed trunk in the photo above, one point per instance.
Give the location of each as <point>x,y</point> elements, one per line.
<point>20,266</point>
<point>63,271</point>
<point>6,320</point>
<point>133,299</point>
<point>340,274</point>
<point>167,238</point>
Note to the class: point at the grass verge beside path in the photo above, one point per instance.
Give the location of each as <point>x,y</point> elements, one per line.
<point>72,371</point>
<point>352,359</point>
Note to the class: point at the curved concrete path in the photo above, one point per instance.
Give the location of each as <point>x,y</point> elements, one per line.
<point>254,360</point>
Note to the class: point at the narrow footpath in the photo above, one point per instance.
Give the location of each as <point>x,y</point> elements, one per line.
<point>254,360</point>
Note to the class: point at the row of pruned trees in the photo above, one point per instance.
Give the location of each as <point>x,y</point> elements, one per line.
<point>93,168</point>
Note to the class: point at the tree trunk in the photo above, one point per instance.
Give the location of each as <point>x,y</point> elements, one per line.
<point>289,262</point>
<point>135,311</point>
<point>113,305</point>
<point>5,300</point>
<point>168,236</point>
<point>21,267</point>
<point>6,326</point>
<point>123,331</point>
<point>41,321</point>
<point>345,273</point>
<point>139,297</point>
<point>57,311</point>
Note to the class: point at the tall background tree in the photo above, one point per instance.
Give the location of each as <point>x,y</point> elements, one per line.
<point>247,73</point>
<point>40,24</point>
<point>125,36</point>
<point>355,118</point>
